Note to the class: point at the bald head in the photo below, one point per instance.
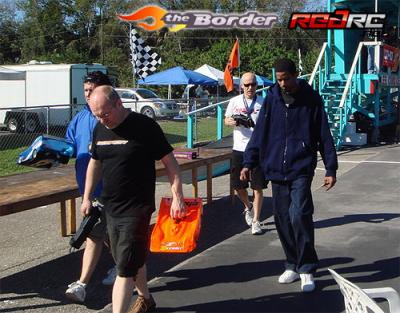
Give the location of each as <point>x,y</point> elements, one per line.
<point>107,92</point>
<point>107,107</point>
<point>249,84</point>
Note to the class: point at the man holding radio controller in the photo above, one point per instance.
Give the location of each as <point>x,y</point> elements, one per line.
<point>242,113</point>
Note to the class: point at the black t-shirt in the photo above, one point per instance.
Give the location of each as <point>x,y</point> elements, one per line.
<point>127,154</point>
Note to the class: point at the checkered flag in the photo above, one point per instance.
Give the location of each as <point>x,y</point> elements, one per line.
<point>144,59</point>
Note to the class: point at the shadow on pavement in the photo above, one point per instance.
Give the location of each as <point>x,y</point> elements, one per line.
<point>287,301</point>
<point>237,273</point>
<point>380,270</point>
<point>353,218</point>
<point>221,220</point>
<point>49,281</point>
<point>321,300</point>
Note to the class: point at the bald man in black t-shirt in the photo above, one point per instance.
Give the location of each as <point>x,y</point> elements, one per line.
<point>124,150</point>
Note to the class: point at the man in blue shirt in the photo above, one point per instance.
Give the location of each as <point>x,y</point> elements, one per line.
<point>79,133</point>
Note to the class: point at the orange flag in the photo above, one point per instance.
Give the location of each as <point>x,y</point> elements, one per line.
<point>233,62</point>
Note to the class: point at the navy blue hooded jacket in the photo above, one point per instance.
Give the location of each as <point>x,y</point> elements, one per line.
<point>285,140</point>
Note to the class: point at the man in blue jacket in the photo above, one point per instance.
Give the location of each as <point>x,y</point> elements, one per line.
<point>291,128</point>
<point>79,133</point>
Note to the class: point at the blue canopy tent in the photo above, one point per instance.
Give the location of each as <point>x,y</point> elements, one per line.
<point>178,76</point>
<point>263,81</point>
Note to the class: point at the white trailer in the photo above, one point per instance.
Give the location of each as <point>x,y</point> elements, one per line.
<point>46,95</point>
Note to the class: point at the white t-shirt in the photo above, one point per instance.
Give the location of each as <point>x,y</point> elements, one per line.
<point>239,105</point>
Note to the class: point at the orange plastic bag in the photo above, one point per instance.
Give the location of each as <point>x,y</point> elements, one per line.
<point>177,236</point>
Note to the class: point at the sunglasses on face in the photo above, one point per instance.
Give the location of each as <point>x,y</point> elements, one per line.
<point>251,84</point>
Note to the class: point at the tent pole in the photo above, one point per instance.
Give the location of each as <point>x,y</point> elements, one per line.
<point>25,91</point>
<point>133,64</point>
<point>240,83</point>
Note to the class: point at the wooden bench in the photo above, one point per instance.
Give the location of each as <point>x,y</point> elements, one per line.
<point>31,190</point>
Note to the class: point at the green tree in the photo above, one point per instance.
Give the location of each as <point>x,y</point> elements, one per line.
<point>84,31</point>
<point>9,41</point>
<point>41,28</point>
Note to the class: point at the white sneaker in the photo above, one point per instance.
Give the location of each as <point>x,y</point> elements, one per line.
<point>76,291</point>
<point>110,278</point>
<point>248,216</point>
<point>307,282</point>
<point>288,277</point>
<point>256,228</point>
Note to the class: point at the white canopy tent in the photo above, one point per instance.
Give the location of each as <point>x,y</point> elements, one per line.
<point>213,73</point>
<point>216,74</point>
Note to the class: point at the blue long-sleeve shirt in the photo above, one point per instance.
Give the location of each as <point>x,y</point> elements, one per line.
<point>286,139</point>
<point>79,133</point>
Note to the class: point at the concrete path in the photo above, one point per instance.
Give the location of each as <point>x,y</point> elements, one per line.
<point>357,231</point>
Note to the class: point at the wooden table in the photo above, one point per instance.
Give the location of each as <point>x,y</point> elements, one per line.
<point>31,190</point>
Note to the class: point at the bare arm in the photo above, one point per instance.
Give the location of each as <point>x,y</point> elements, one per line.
<point>229,121</point>
<point>178,209</point>
<point>93,176</point>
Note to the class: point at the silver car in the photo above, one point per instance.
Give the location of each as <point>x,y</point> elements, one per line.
<point>145,101</point>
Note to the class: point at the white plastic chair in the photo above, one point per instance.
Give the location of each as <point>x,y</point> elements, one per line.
<point>359,300</point>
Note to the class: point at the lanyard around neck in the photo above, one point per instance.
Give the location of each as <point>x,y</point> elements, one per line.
<point>250,108</point>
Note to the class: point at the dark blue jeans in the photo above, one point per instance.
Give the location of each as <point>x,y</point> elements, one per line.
<point>293,208</point>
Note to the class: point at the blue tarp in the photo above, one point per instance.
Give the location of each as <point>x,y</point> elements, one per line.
<point>177,76</point>
<point>263,81</point>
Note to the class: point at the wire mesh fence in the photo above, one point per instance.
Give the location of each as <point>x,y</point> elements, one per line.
<point>21,126</point>
<point>205,125</point>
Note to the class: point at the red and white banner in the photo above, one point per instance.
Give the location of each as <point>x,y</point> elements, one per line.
<point>391,57</point>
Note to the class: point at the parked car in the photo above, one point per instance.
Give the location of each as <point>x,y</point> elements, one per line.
<point>145,101</point>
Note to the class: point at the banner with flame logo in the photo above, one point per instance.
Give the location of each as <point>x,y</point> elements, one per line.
<point>177,20</point>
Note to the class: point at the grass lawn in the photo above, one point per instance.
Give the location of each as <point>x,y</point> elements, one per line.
<point>8,163</point>
<point>205,131</point>
<point>175,131</point>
